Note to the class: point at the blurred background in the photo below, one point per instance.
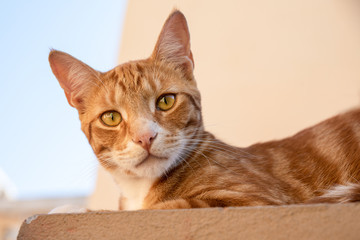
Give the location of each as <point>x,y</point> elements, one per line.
<point>266,69</point>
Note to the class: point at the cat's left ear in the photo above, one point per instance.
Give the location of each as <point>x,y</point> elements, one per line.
<point>173,44</point>
<point>74,76</point>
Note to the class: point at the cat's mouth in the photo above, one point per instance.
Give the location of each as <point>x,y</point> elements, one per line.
<point>150,158</point>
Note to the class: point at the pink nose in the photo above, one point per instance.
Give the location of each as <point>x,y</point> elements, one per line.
<point>145,139</point>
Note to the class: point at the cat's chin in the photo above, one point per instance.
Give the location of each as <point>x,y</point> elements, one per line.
<point>152,167</point>
<point>150,159</point>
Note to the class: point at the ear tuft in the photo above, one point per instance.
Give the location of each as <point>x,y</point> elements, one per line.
<point>173,44</point>
<point>74,76</point>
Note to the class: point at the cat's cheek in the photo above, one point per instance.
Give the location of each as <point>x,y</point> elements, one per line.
<point>167,146</point>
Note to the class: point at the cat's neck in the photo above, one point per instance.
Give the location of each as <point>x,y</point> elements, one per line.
<point>133,190</point>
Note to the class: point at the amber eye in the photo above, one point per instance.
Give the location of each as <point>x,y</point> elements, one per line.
<point>111,118</point>
<point>165,102</point>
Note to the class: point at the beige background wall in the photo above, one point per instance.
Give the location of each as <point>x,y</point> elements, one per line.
<point>266,69</point>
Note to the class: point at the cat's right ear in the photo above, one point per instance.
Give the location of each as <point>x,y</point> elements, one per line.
<point>74,76</point>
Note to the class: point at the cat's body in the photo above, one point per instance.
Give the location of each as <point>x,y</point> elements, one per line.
<point>289,171</point>
<point>143,120</point>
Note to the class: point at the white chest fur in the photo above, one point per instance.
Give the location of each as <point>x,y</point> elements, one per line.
<point>133,190</point>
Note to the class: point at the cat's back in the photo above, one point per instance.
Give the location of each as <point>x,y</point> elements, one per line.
<point>315,158</point>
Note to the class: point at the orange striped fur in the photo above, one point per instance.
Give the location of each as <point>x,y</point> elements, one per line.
<point>165,159</point>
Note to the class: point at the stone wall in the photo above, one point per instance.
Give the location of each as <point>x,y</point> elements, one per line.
<point>341,221</point>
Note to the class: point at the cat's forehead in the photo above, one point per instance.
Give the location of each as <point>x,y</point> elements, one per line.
<point>143,79</point>
<point>136,85</point>
<point>136,78</point>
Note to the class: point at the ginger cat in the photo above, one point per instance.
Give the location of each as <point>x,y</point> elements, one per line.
<point>143,120</point>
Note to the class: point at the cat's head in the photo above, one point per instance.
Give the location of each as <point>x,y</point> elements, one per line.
<point>141,116</point>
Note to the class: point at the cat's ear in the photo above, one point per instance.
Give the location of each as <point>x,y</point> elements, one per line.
<point>74,76</point>
<point>173,44</point>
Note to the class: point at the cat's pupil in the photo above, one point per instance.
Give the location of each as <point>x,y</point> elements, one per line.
<point>165,100</point>
<point>112,116</point>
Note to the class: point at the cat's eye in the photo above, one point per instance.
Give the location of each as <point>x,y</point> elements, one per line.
<point>111,118</point>
<point>165,102</point>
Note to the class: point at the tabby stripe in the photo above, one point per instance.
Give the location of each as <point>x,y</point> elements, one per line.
<point>193,101</point>
<point>101,149</point>
<point>152,84</point>
<point>191,122</point>
<point>122,86</point>
<point>197,203</point>
<point>90,130</point>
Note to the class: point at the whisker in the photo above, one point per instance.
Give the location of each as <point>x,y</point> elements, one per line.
<point>211,159</point>
<point>221,146</point>
<point>99,79</point>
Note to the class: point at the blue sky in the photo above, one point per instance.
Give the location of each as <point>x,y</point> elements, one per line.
<point>42,148</point>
